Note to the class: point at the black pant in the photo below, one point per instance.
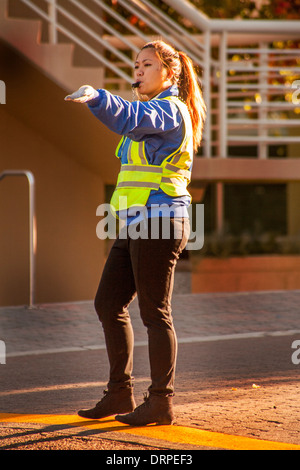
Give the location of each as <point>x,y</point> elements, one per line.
<point>142,266</point>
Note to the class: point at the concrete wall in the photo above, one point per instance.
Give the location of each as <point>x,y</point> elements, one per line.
<point>71,157</point>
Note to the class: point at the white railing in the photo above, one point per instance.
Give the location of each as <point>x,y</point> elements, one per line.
<point>256,96</point>
<point>247,67</point>
<point>58,13</point>
<point>253,82</point>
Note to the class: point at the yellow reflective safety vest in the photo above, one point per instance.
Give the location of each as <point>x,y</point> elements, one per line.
<point>138,178</point>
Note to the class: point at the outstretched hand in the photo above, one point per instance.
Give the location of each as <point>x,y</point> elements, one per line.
<point>83,94</point>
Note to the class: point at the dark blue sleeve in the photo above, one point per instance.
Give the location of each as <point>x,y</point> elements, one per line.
<point>136,119</point>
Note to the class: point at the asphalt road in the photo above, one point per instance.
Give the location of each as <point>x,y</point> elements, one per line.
<point>248,386</point>
<point>235,373</point>
<point>64,382</point>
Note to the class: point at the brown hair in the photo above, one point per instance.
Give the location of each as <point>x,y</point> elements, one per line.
<point>185,76</point>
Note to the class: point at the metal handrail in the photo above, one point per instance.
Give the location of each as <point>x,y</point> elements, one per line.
<point>106,26</point>
<point>167,29</point>
<point>32,227</point>
<point>175,27</point>
<point>78,41</point>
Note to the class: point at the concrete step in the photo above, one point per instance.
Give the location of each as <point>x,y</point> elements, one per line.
<point>54,60</point>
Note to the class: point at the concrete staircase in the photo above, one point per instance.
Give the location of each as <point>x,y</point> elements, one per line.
<point>55,61</point>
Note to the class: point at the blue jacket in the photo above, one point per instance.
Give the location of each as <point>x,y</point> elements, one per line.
<point>158,123</point>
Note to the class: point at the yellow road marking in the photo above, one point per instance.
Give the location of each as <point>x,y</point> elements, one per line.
<point>175,434</point>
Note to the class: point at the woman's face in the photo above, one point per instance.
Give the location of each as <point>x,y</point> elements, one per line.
<point>150,72</point>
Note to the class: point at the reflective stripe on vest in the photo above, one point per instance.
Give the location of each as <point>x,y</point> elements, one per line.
<point>138,178</point>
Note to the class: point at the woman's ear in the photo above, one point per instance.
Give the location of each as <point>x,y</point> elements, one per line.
<point>170,74</point>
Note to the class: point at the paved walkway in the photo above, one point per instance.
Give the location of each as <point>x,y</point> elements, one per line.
<point>75,325</point>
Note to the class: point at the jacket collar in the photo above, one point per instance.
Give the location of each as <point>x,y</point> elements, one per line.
<point>171,91</point>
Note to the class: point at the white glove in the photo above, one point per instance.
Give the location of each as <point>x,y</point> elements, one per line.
<point>83,94</point>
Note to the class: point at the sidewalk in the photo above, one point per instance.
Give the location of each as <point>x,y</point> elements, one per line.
<point>75,325</point>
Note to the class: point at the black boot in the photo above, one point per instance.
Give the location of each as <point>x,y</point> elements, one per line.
<point>119,401</point>
<point>155,409</point>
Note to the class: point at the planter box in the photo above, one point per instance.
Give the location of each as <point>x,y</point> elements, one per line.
<point>253,273</point>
